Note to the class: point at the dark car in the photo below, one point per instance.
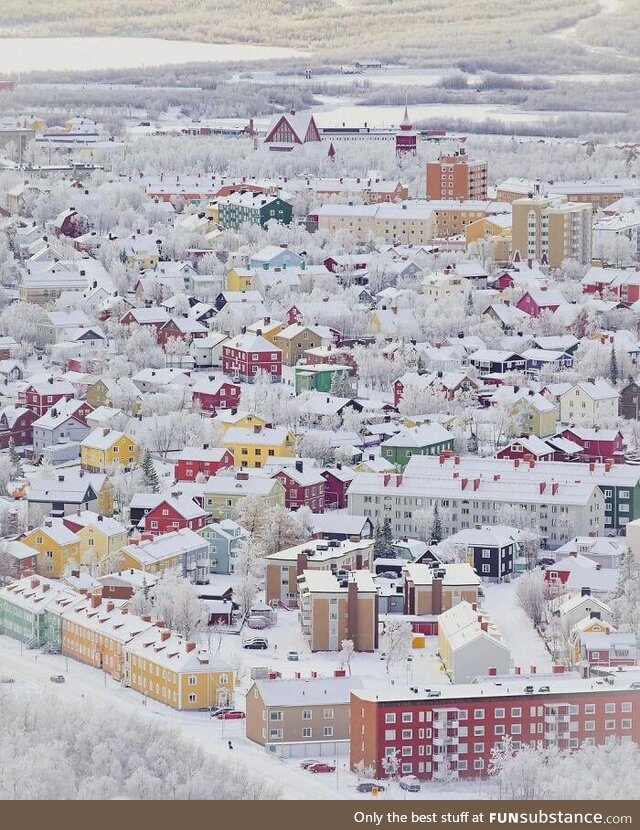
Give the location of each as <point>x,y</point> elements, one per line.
<point>410,783</point>
<point>259,644</point>
<point>369,786</point>
<point>57,678</point>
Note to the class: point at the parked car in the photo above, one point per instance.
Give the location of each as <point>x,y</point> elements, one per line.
<point>57,678</point>
<point>5,678</point>
<point>221,711</point>
<point>255,643</point>
<point>409,783</point>
<point>234,714</point>
<point>321,768</point>
<point>293,655</point>
<point>309,763</point>
<point>368,786</point>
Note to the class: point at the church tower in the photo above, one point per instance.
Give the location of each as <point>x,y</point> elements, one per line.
<point>406,138</point>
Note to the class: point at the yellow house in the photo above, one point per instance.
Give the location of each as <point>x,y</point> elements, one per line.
<point>103,448</point>
<point>101,538</point>
<point>495,229</point>
<point>239,279</point>
<point>537,415</point>
<point>57,546</point>
<point>589,625</point>
<point>269,329</point>
<point>446,285</point>
<point>226,419</point>
<point>253,447</point>
<point>165,667</point>
<point>213,212</point>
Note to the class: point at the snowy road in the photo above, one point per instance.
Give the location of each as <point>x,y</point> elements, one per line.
<point>527,649</point>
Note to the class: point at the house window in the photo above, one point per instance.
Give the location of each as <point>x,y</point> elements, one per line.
<point>192,680</point>
<point>328,714</point>
<point>328,731</point>
<point>407,734</point>
<point>389,734</point>
<point>307,732</point>
<point>306,714</point>
<point>390,717</point>
<point>275,715</point>
<point>407,717</point>
<point>193,698</point>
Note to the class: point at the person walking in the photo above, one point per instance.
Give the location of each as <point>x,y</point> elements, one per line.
<point>230,745</point>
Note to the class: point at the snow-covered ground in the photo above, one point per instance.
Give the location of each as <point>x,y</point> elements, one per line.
<point>31,670</point>
<point>527,648</point>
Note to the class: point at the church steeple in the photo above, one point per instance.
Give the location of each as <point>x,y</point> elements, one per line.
<point>406,124</point>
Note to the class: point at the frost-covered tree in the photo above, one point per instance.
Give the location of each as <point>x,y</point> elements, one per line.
<point>396,640</point>
<point>346,653</point>
<point>531,594</point>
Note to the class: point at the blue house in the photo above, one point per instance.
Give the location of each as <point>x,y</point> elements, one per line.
<point>224,539</point>
<point>273,256</point>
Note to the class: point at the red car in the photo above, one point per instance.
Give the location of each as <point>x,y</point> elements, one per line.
<point>321,768</point>
<point>233,715</point>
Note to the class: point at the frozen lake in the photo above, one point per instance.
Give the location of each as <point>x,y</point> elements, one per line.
<point>80,54</point>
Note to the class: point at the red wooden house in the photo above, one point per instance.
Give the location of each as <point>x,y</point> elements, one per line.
<point>303,486</point>
<point>181,328</point>
<point>597,444</point>
<point>206,460</point>
<point>536,300</point>
<point>16,422</point>
<point>246,355</point>
<point>213,393</point>
<point>337,481</point>
<point>40,395</point>
<point>174,513</point>
<point>329,354</point>
<point>155,317</point>
<point>527,449</point>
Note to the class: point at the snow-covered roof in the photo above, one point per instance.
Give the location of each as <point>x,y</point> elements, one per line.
<point>315,691</point>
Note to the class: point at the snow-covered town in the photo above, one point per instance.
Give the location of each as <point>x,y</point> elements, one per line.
<point>319,449</point>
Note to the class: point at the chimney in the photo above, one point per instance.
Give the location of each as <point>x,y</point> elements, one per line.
<point>492,671</point>
<point>190,646</point>
<point>45,587</point>
<point>165,634</point>
<point>436,596</point>
<point>543,486</point>
<point>554,488</point>
<point>301,563</point>
<point>464,482</point>
<point>146,618</point>
<point>110,606</point>
<point>95,601</point>
<point>34,582</point>
<point>517,669</point>
<point>533,670</point>
<point>352,612</point>
<point>160,624</point>
<point>476,483</point>
<point>484,626</point>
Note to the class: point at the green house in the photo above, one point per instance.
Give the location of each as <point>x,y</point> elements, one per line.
<point>318,378</point>
<point>427,439</point>
<point>254,209</point>
<point>31,611</point>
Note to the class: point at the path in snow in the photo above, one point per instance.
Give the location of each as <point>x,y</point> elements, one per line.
<point>527,649</point>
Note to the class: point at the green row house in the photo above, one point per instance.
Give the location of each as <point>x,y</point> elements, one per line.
<point>620,486</point>
<point>318,378</point>
<point>427,439</point>
<point>222,493</point>
<point>31,611</point>
<point>252,208</point>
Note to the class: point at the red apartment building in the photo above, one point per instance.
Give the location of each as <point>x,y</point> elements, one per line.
<point>452,730</point>
<point>456,176</point>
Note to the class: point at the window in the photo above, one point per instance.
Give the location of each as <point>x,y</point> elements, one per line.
<point>390,717</point>
<point>590,709</point>
<point>328,731</point>
<point>478,714</point>
<point>499,729</point>
<point>626,707</point>
<point>609,708</point>
<point>275,734</point>
<point>407,717</point>
<point>407,734</point>
<point>307,714</point>
<point>192,680</point>
<point>478,731</point>
<point>499,713</point>
<point>610,724</point>
<point>390,734</point>
<point>589,725</point>
<point>193,698</point>
<point>516,728</point>
<point>275,715</point>
<point>328,714</point>
<point>406,750</point>
<point>516,712</point>
<point>478,763</point>
<point>306,732</point>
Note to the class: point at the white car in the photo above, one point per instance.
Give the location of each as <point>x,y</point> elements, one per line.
<point>5,678</point>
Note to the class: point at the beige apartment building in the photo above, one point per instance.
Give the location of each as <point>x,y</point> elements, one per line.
<point>433,590</point>
<point>334,608</point>
<point>283,568</point>
<point>553,228</point>
<point>303,716</point>
<point>405,222</point>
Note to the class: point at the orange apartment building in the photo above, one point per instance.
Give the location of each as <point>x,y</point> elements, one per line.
<point>456,176</point>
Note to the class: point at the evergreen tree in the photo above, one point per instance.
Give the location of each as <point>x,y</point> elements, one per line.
<point>149,472</point>
<point>377,541</point>
<point>387,538</point>
<point>613,367</point>
<point>436,527</point>
<point>16,461</point>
